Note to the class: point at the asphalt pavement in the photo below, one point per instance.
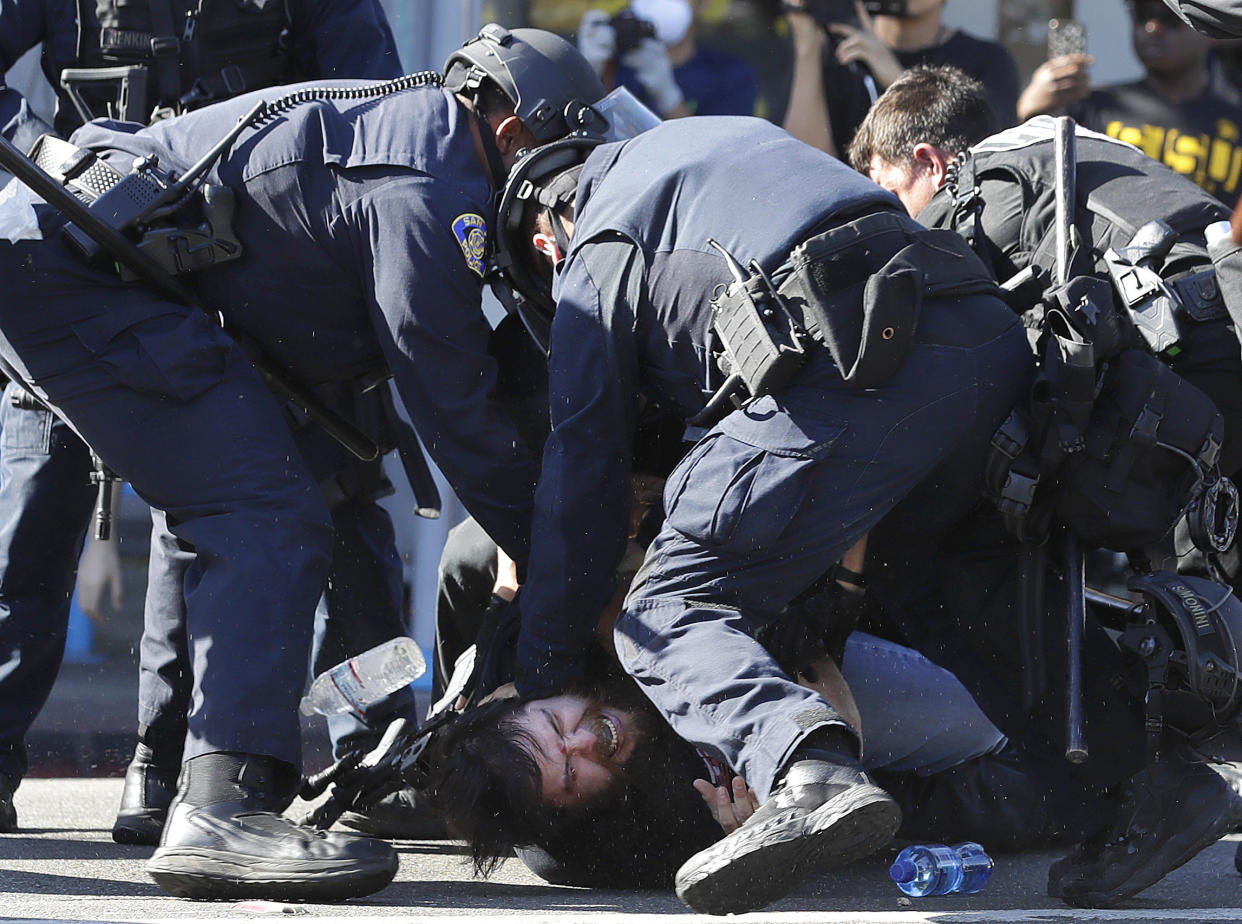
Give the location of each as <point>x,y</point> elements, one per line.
<point>62,865</point>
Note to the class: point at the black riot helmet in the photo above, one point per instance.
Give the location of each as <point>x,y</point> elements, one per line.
<point>1188,636</point>
<point>546,179</point>
<point>549,82</point>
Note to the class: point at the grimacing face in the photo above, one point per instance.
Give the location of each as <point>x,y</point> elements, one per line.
<point>580,746</point>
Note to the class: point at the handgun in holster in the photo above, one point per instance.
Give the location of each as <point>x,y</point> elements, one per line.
<point>1152,304</point>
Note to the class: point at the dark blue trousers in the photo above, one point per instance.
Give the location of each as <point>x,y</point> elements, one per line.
<point>46,499</point>
<point>361,607</point>
<point>176,409</point>
<point>776,493</point>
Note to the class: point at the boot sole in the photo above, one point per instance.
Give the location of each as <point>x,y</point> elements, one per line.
<point>746,874</point>
<point>213,874</point>
<point>1219,824</point>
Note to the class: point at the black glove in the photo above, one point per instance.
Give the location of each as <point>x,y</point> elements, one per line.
<point>495,647</point>
<point>814,625</point>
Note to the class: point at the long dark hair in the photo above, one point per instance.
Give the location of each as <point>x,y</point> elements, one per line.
<point>485,780</point>
<point>487,783</point>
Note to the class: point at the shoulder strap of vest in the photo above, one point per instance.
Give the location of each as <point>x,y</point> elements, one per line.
<point>166,51</point>
<point>967,209</point>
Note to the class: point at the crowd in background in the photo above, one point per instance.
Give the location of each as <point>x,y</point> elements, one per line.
<point>815,67</point>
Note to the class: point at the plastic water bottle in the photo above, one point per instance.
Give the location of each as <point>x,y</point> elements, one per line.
<point>363,680</point>
<point>934,869</point>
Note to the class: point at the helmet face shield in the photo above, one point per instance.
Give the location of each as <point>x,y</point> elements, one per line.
<point>625,115</point>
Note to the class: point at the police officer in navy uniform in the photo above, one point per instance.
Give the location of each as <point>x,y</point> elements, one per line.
<point>952,171</point>
<point>777,489</point>
<point>364,211</point>
<point>136,61</point>
<point>362,606</point>
<point>142,61</point>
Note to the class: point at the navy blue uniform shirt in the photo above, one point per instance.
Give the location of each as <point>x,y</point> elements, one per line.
<point>364,225</point>
<point>633,306</point>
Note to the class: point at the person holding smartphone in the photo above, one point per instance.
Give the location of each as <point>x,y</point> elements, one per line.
<point>1174,113</point>
<point>888,37</point>
<point>1065,78</point>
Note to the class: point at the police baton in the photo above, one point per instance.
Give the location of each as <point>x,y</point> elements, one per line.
<point>1066,155</point>
<point>124,251</point>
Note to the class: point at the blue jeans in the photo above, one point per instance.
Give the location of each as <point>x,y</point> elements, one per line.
<point>781,489</point>
<point>46,499</point>
<point>916,717</point>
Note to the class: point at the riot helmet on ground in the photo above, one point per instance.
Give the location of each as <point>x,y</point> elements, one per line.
<point>550,84</point>
<point>1188,635</point>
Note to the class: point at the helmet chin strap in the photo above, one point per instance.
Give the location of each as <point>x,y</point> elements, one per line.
<point>487,137</point>
<point>559,232</point>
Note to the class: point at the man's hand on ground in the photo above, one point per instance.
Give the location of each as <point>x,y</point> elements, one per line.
<point>729,806</point>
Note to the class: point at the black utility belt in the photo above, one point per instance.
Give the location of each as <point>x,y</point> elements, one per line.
<point>881,263</point>
<point>188,234</point>
<point>887,265</point>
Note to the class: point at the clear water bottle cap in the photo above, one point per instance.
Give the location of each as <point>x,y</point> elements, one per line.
<point>1218,232</point>
<point>903,870</point>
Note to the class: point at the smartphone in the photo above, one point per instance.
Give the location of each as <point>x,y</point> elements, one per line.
<point>1066,37</point>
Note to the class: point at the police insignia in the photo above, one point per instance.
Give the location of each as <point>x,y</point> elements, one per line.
<point>471,231</point>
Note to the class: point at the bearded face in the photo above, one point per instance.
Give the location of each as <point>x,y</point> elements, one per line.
<point>588,743</point>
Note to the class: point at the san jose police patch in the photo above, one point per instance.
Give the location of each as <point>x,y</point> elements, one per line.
<point>471,231</point>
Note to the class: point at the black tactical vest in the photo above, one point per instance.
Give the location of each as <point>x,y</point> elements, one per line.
<point>142,60</point>
<point>1114,443</point>
<point>1119,188</point>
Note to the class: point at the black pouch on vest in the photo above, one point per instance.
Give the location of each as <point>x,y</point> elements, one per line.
<point>886,266</point>
<point>1152,441</point>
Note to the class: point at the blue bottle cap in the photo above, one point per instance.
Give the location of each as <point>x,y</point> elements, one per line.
<point>903,870</point>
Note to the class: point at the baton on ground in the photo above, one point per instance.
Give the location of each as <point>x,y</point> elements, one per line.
<point>125,251</point>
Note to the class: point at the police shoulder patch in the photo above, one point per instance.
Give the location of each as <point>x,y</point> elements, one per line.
<point>471,231</point>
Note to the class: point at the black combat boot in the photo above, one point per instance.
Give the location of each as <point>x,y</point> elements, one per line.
<point>8,814</point>
<point>1168,812</point>
<point>823,813</point>
<point>225,839</point>
<point>150,784</point>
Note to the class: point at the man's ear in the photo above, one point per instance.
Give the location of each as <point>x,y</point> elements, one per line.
<point>511,136</point>
<point>932,161</point>
<point>546,245</point>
